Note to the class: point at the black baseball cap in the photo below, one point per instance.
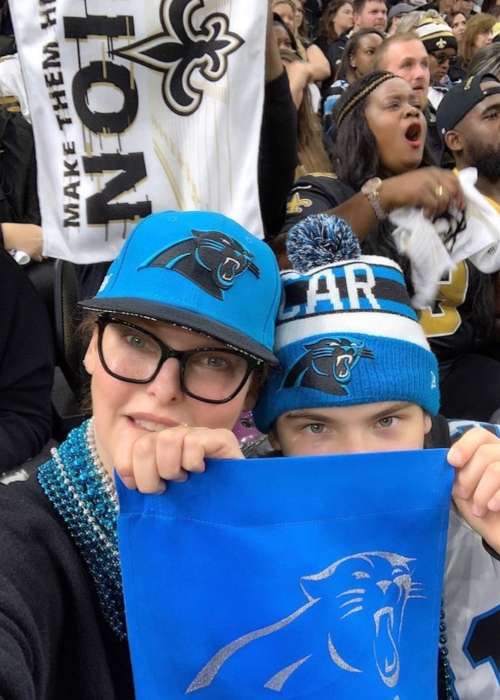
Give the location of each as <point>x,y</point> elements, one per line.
<point>459,101</point>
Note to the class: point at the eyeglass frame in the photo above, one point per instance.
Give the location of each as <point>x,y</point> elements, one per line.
<point>182,356</point>
<point>442,57</point>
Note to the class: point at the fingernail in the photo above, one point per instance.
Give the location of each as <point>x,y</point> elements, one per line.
<point>454,456</point>
<point>129,482</point>
<point>494,505</point>
<point>478,511</point>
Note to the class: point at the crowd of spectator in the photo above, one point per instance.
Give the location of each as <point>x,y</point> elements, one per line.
<point>370,107</point>
<point>321,57</point>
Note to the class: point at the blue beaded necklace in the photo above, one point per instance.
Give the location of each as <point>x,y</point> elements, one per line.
<point>83,494</point>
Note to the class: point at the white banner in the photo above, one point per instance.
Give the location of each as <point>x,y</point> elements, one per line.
<point>140,106</point>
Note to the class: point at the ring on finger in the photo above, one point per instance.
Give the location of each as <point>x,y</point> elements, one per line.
<point>439,191</point>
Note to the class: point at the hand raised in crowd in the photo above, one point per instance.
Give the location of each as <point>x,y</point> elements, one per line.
<point>299,76</point>
<point>171,454</point>
<point>476,492</point>
<point>431,188</point>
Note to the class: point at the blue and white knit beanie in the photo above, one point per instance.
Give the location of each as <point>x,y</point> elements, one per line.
<point>346,332</point>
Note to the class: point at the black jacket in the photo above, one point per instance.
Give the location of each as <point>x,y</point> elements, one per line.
<point>54,641</point>
<point>26,367</point>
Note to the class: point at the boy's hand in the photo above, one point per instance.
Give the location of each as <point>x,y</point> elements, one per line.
<point>170,454</point>
<point>476,492</point>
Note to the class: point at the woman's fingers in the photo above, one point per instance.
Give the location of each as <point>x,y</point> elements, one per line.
<point>171,454</point>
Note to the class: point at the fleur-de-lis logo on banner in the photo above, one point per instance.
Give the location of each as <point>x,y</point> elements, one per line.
<point>183,48</point>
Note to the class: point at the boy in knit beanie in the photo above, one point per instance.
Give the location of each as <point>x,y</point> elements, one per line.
<point>357,375</point>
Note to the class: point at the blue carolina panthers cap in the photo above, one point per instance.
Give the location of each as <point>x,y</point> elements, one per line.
<point>346,332</point>
<point>200,270</point>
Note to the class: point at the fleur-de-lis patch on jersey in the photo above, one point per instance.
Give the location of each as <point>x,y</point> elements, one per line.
<point>184,48</point>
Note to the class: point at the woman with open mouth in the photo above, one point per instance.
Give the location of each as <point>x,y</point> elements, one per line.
<point>381,154</point>
<point>381,164</point>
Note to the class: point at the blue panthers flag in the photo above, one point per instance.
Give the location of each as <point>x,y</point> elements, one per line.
<point>310,578</point>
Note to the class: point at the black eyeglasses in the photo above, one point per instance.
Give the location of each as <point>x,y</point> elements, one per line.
<point>133,354</point>
<point>442,57</point>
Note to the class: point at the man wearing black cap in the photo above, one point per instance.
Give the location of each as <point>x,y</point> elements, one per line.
<point>441,46</point>
<point>468,120</point>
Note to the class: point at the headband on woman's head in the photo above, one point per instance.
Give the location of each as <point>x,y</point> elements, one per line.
<point>372,80</point>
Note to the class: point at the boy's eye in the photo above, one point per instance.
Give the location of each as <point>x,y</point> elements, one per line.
<point>315,428</point>
<point>387,421</point>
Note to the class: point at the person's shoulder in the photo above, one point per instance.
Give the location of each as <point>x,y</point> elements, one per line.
<point>342,39</point>
<point>315,193</point>
<point>23,503</point>
<point>327,182</point>
<point>323,187</point>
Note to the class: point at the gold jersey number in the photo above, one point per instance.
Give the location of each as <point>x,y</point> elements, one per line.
<point>443,318</point>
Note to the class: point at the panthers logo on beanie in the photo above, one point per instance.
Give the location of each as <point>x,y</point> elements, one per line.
<point>211,260</point>
<point>327,365</point>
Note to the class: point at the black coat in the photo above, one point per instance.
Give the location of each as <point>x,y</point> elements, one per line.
<point>54,641</point>
<point>26,367</point>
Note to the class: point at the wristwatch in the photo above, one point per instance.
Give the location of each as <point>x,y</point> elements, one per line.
<point>371,191</point>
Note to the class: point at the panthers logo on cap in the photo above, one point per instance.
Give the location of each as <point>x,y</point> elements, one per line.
<point>211,260</point>
<point>327,365</point>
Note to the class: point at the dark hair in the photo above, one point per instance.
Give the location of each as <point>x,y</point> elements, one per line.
<point>451,16</point>
<point>358,5</point>
<point>279,22</point>
<point>326,27</point>
<point>488,5</point>
<point>350,49</point>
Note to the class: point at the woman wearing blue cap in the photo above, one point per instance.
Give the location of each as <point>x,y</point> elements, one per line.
<point>183,327</point>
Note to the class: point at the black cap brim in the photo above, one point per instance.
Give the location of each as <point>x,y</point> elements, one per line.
<point>181,317</point>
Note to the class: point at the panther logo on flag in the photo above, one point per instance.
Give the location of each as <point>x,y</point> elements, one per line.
<point>183,49</point>
<point>371,587</point>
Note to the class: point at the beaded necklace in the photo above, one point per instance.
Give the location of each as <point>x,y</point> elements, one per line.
<point>83,494</point>
<point>444,664</point>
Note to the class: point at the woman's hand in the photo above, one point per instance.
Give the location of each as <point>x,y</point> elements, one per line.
<point>476,492</point>
<point>25,237</point>
<point>171,454</point>
<point>433,189</point>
